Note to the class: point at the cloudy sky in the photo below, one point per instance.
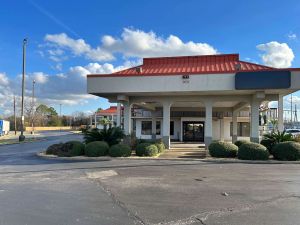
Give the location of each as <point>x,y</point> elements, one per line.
<point>67,41</point>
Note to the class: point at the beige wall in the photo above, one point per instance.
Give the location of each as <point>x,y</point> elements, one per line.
<point>47,128</point>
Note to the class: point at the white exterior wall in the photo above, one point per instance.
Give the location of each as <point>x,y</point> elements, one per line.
<point>178,127</point>
<point>133,84</point>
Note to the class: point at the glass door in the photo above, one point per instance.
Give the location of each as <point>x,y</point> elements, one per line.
<point>193,131</point>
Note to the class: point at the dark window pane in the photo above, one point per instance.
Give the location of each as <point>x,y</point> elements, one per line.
<point>157,127</point>
<point>171,127</point>
<point>146,127</point>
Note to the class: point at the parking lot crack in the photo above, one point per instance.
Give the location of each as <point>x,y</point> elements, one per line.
<point>122,205</point>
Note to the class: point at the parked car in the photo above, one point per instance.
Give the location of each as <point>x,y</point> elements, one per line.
<point>294,132</point>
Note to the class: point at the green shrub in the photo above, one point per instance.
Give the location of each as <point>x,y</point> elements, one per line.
<point>269,144</point>
<point>222,149</point>
<point>240,142</point>
<point>96,148</point>
<point>54,149</point>
<point>140,148</point>
<point>160,146</point>
<point>146,149</point>
<point>75,148</point>
<point>151,150</point>
<point>253,151</point>
<point>289,150</point>
<point>120,150</point>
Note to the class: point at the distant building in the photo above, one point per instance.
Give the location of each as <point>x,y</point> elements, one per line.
<point>109,115</point>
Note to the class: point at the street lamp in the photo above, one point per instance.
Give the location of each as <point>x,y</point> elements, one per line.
<point>22,137</point>
<point>33,108</point>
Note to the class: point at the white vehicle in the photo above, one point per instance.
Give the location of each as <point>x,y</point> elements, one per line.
<point>295,132</point>
<point>4,127</point>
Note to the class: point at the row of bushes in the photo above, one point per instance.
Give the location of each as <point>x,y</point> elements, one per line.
<point>92,149</point>
<point>246,150</point>
<point>101,148</point>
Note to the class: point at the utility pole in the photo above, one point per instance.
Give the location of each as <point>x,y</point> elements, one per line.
<point>22,137</point>
<point>33,108</point>
<point>15,117</point>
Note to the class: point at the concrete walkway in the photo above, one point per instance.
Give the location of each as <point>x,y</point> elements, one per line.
<point>184,150</point>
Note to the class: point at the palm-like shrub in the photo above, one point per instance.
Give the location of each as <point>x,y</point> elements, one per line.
<point>270,140</point>
<point>112,135</point>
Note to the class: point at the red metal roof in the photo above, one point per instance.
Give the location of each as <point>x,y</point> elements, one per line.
<point>111,110</point>
<point>203,64</point>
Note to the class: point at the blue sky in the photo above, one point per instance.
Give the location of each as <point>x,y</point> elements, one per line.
<point>66,40</point>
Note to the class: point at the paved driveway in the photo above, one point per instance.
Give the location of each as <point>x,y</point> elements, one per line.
<point>39,191</point>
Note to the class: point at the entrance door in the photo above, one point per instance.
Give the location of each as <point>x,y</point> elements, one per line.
<point>193,131</point>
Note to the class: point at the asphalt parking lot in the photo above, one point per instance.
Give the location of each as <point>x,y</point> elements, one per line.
<point>40,191</point>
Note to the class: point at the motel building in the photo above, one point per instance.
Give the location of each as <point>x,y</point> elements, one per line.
<point>195,98</point>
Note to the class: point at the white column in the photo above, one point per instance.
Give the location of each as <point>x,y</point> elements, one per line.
<point>95,117</point>
<point>280,113</point>
<point>118,114</point>
<point>222,129</point>
<point>153,117</point>
<point>208,124</point>
<point>254,126</point>
<point>127,118</point>
<point>234,126</point>
<point>166,124</point>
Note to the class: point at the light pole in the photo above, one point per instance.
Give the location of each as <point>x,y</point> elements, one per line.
<point>33,108</point>
<point>22,137</point>
<point>60,116</point>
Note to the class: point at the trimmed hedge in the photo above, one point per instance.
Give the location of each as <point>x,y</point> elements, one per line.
<point>146,149</point>
<point>253,151</point>
<point>54,149</point>
<point>240,142</point>
<point>289,150</point>
<point>222,149</point>
<point>120,150</point>
<point>76,148</point>
<point>96,148</point>
<point>269,144</point>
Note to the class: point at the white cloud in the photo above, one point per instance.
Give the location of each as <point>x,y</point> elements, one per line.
<point>138,43</point>
<point>3,79</point>
<point>276,54</point>
<point>40,77</point>
<point>78,47</point>
<point>292,36</point>
<point>67,88</point>
<point>131,43</point>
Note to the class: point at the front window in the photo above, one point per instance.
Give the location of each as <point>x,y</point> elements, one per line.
<point>146,127</point>
<point>157,127</point>
<point>243,129</point>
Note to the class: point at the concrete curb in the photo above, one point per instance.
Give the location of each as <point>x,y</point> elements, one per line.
<point>207,160</point>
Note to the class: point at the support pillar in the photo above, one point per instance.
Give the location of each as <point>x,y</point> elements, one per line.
<point>118,114</point>
<point>234,126</point>
<point>254,125</point>
<point>222,129</point>
<point>127,118</point>
<point>166,124</point>
<point>280,113</point>
<point>153,117</point>
<point>208,124</point>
